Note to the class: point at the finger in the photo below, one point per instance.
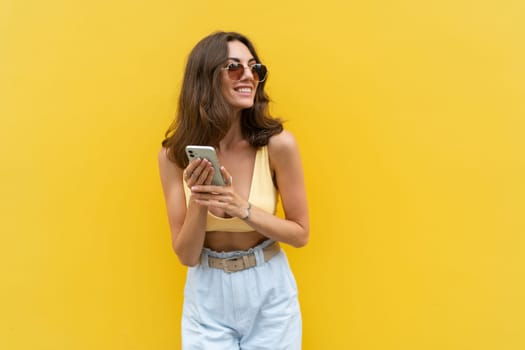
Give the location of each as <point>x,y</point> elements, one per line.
<point>192,165</point>
<point>199,169</point>
<point>209,189</point>
<point>191,168</point>
<point>228,182</point>
<point>201,179</point>
<point>192,179</point>
<point>210,196</point>
<point>209,179</point>
<point>226,175</point>
<point>212,203</point>
<point>204,164</point>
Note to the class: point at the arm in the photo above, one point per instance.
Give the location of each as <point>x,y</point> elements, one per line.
<point>187,225</point>
<point>286,162</point>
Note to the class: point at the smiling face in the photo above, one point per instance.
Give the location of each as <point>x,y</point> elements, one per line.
<point>239,94</point>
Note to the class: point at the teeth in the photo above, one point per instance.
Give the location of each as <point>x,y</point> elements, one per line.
<point>244,90</point>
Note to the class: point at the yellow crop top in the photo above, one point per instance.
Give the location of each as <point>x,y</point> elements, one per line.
<point>263,195</point>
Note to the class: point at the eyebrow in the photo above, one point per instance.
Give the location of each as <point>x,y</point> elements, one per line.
<point>238,60</point>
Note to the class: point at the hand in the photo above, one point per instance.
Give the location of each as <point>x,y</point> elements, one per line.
<point>198,172</point>
<point>222,197</point>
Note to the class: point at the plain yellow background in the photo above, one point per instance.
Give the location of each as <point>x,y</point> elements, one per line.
<point>410,117</point>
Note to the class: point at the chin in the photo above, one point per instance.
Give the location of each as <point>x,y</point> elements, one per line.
<point>242,106</point>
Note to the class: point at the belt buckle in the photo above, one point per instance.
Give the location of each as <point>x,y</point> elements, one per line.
<point>225,266</point>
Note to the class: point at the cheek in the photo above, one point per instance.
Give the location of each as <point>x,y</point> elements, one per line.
<point>225,89</point>
<point>226,84</point>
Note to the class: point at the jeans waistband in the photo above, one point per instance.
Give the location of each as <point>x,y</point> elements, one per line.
<point>237,253</point>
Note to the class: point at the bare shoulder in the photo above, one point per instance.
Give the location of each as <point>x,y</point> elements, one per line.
<point>283,142</point>
<point>283,150</point>
<point>163,155</point>
<point>166,166</point>
<point>163,158</point>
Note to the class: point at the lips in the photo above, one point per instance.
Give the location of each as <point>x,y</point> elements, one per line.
<point>244,89</point>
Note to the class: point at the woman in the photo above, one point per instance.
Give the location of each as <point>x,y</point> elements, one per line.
<point>240,292</point>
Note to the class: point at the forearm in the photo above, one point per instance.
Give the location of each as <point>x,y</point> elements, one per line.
<point>287,231</point>
<point>189,240</point>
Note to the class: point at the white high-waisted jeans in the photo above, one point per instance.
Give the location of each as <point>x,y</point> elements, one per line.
<point>252,309</point>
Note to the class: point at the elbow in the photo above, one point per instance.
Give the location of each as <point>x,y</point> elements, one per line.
<point>302,239</point>
<point>303,242</point>
<point>188,262</point>
<point>186,259</point>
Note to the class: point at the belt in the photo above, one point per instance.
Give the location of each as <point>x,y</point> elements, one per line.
<point>244,262</point>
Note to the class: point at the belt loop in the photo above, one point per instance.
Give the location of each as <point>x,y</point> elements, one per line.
<point>259,256</point>
<point>204,260</point>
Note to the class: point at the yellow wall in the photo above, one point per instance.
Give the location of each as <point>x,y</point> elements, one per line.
<point>410,116</point>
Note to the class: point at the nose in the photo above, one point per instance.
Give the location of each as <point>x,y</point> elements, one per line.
<point>247,74</point>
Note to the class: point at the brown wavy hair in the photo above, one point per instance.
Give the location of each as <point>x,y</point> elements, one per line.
<point>204,116</point>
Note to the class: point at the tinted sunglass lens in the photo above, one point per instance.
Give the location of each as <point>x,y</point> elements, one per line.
<point>259,72</point>
<point>235,71</point>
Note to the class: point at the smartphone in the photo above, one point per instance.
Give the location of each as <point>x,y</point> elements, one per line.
<point>207,152</point>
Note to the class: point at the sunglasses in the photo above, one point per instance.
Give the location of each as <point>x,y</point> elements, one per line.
<point>236,71</point>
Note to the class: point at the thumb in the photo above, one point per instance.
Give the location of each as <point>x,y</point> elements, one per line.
<point>226,176</point>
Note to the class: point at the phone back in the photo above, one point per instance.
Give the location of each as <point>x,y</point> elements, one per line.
<point>207,152</point>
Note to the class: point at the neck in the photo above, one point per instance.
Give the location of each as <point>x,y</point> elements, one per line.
<point>234,135</point>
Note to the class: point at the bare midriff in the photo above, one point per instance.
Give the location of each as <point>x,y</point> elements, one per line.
<point>220,241</point>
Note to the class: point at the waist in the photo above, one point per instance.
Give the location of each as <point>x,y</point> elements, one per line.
<point>222,241</point>
<point>240,260</point>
